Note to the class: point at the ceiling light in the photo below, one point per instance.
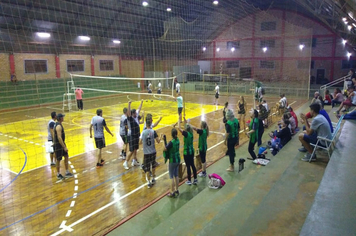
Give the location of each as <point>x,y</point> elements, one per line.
<point>218,49</point>
<point>232,49</point>
<point>346,22</point>
<point>349,54</point>
<point>204,49</point>
<point>43,35</point>
<point>169,9</point>
<point>344,41</point>
<point>116,41</point>
<point>84,38</point>
<point>344,18</point>
<point>216,2</point>
<point>264,49</point>
<point>349,27</point>
<point>144,3</point>
<point>301,46</point>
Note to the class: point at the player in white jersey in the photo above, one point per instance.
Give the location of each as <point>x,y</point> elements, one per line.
<point>147,139</point>
<point>123,132</point>
<point>50,128</point>
<point>99,124</point>
<point>159,87</point>
<point>149,87</point>
<point>179,100</point>
<point>217,93</point>
<point>178,88</point>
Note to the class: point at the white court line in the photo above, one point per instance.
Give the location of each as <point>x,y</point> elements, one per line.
<point>76,188</point>
<point>74,171</point>
<point>72,204</point>
<point>71,166</point>
<point>75,195</point>
<point>75,176</point>
<point>68,213</point>
<point>76,181</point>
<point>69,162</point>
<point>115,201</point>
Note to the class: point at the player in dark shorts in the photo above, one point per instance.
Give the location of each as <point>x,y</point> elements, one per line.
<point>50,128</point>
<point>60,147</point>
<point>123,132</point>
<point>98,122</point>
<point>203,145</point>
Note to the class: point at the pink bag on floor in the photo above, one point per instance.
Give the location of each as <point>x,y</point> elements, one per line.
<point>220,181</point>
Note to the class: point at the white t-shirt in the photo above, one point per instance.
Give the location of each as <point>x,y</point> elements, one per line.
<point>353,99</point>
<point>159,86</point>
<point>266,106</point>
<point>178,87</point>
<point>149,86</point>
<point>217,89</point>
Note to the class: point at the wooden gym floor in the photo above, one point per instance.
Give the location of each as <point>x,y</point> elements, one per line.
<point>34,202</point>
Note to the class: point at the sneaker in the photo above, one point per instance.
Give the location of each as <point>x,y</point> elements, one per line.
<point>201,174</point>
<point>230,169</point>
<point>69,175</point>
<point>153,181</point>
<point>149,185</point>
<point>98,165</point>
<point>307,157</point>
<point>195,181</point>
<point>188,182</point>
<point>135,163</point>
<point>53,164</point>
<point>176,193</point>
<point>302,149</point>
<point>125,165</point>
<point>102,161</point>
<point>60,177</point>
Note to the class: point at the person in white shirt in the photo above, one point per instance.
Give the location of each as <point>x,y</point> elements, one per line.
<point>159,87</point>
<point>282,104</point>
<point>264,103</point>
<point>149,87</point>
<point>178,88</point>
<point>179,100</point>
<point>217,93</point>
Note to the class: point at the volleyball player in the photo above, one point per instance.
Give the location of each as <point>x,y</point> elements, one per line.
<point>149,87</point>
<point>60,147</point>
<point>178,87</point>
<point>159,90</point>
<point>232,128</point>
<point>203,146</point>
<point>99,124</point>
<point>123,132</point>
<point>50,128</point>
<point>179,100</point>
<point>133,135</point>
<point>147,139</point>
<point>217,93</point>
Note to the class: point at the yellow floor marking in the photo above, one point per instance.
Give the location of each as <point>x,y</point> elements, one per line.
<point>31,134</point>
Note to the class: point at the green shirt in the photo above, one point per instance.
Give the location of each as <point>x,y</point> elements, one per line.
<point>234,128</point>
<point>188,144</point>
<point>203,146</point>
<point>173,152</point>
<point>254,126</point>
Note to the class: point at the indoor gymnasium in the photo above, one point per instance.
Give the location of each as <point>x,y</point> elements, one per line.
<point>162,117</point>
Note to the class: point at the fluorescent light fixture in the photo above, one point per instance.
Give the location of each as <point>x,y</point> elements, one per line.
<point>301,46</point>
<point>169,9</point>
<point>216,2</point>
<point>218,49</point>
<point>232,49</point>
<point>116,41</point>
<point>204,49</point>
<point>344,18</point>
<point>344,41</point>
<point>43,35</point>
<point>84,38</point>
<point>264,49</point>
<point>349,27</point>
<point>349,54</point>
<point>144,3</point>
<point>346,22</point>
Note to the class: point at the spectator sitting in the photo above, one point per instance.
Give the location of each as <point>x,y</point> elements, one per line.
<point>350,101</point>
<point>319,127</point>
<point>350,116</point>
<point>283,133</point>
<point>327,98</point>
<point>316,95</point>
<point>292,124</point>
<point>282,104</point>
<point>323,113</point>
<point>338,98</point>
<point>290,109</point>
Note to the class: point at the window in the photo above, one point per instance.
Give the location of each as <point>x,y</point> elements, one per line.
<point>267,64</point>
<point>268,26</point>
<point>35,66</point>
<point>306,42</point>
<point>269,43</point>
<point>233,44</point>
<point>232,64</point>
<point>106,64</point>
<point>75,65</point>
<point>348,64</point>
<point>303,64</point>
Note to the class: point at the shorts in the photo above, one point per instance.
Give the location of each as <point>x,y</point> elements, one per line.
<point>148,161</point>
<point>313,138</point>
<point>100,143</point>
<point>216,95</point>
<point>173,170</point>
<point>133,143</point>
<point>202,156</point>
<point>348,103</point>
<point>180,109</point>
<point>124,138</point>
<point>53,147</point>
<point>241,112</point>
<point>59,151</point>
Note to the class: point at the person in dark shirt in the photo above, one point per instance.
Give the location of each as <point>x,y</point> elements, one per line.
<point>283,133</point>
<point>232,128</point>
<point>172,150</point>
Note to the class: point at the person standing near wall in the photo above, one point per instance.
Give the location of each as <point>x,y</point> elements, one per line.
<point>50,128</point>
<point>78,95</point>
<point>252,134</point>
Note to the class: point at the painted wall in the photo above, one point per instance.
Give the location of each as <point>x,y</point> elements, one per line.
<point>4,67</point>
<point>20,66</point>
